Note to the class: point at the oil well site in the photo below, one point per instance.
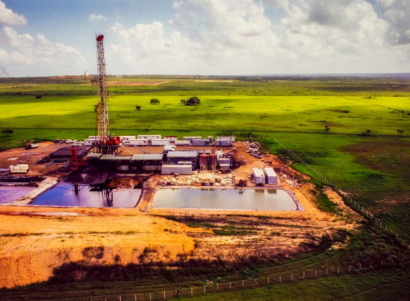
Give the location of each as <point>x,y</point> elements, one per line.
<point>284,181</point>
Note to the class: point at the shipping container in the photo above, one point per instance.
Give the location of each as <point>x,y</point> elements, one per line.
<point>271,177</point>
<point>19,168</point>
<point>258,176</point>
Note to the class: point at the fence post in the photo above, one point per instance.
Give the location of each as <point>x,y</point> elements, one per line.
<point>360,266</point>
<point>338,270</point>
<point>135,297</point>
<point>268,280</point>
<point>327,270</point>
<point>150,297</point>
<point>243,283</point>
<point>217,287</point>
<point>256,281</point>
<point>204,289</point>
<point>192,290</point>
<point>303,275</point>
<point>164,295</point>
<point>280,278</point>
<point>292,277</point>
<point>120,298</point>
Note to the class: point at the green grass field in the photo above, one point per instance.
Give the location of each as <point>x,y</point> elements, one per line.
<point>287,116</point>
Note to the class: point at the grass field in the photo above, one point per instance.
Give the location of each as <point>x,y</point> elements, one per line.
<point>287,116</point>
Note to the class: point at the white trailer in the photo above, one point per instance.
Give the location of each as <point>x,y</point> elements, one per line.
<point>231,138</point>
<point>271,177</point>
<point>191,138</point>
<point>159,142</point>
<point>223,142</point>
<point>149,137</point>
<point>258,176</point>
<point>171,138</point>
<point>138,142</point>
<point>177,169</point>
<point>182,143</point>
<point>126,139</point>
<point>198,142</point>
<point>19,168</point>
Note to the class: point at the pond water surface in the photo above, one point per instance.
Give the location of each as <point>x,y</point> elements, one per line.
<point>64,195</point>
<point>12,193</point>
<point>230,199</point>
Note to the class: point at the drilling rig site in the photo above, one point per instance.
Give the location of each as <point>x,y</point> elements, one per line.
<point>166,204</point>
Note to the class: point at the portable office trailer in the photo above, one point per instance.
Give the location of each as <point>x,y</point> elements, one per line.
<point>159,142</point>
<point>19,168</point>
<point>182,143</point>
<point>149,136</point>
<point>176,169</point>
<point>171,138</point>
<point>258,176</point>
<point>198,142</point>
<point>191,138</point>
<point>138,142</point>
<point>271,177</point>
<point>231,138</point>
<point>223,142</point>
<point>126,138</point>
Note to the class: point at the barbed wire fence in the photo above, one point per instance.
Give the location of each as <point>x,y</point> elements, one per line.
<point>212,287</point>
<point>353,203</point>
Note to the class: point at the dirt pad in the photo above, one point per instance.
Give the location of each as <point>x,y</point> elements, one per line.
<point>33,243</point>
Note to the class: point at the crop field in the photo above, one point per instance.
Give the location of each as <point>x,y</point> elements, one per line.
<point>364,153</point>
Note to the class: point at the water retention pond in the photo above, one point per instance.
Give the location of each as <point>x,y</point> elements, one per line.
<point>226,199</point>
<point>64,195</point>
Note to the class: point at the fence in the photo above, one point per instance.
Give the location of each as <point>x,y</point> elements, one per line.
<point>352,202</point>
<point>286,277</point>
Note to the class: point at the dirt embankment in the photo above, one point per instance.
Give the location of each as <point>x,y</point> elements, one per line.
<point>35,240</point>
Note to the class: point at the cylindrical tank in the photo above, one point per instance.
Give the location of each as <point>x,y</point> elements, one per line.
<point>212,161</point>
<point>203,162</point>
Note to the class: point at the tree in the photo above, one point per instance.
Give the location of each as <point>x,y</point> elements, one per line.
<point>193,101</point>
<point>39,96</point>
<point>327,129</point>
<point>154,101</point>
<point>7,132</point>
<point>183,101</point>
<point>138,108</point>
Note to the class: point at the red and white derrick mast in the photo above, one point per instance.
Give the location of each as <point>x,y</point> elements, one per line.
<point>103,119</point>
<point>106,143</point>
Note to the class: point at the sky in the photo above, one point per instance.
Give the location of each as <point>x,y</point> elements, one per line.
<point>204,37</point>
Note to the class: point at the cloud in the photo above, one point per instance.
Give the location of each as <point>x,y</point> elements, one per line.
<point>397,14</point>
<point>8,17</point>
<point>26,50</point>
<point>94,17</point>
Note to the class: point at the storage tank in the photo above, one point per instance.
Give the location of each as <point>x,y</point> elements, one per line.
<point>203,162</point>
<point>212,162</point>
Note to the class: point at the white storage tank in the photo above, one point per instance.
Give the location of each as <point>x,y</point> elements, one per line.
<point>271,177</point>
<point>258,176</point>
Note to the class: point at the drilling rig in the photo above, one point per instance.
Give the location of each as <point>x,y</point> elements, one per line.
<point>106,143</point>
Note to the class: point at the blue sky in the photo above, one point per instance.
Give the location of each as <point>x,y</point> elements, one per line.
<point>57,37</point>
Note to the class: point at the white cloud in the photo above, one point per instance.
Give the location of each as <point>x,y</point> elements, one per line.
<point>397,13</point>
<point>8,17</point>
<point>26,50</point>
<point>94,17</point>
